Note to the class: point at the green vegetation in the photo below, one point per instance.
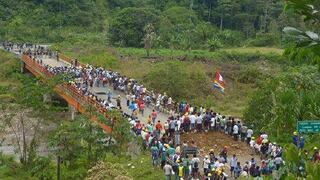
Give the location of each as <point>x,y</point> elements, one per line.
<point>178,24</point>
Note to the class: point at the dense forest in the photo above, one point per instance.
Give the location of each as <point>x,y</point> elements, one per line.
<point>179,24</point>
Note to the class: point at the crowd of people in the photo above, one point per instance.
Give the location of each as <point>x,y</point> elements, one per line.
<point>163,138</point>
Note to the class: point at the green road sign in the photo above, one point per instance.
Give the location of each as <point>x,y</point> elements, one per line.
<point>308,126</point>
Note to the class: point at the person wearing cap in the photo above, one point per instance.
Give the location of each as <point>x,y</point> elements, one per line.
<point>295,138</point>
<point>301,142</point>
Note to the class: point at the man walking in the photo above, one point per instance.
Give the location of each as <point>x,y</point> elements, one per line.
<point>167,171</point>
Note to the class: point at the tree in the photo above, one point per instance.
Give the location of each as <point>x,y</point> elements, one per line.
<point>127,26</point>
<point>149,38</point>
<point>177,26</point>
<point>307,39</point>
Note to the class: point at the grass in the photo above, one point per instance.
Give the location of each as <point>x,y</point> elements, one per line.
<point>143,168</point>
<point>11,170</point>
<point>139,52</point>
<point>262,50</point>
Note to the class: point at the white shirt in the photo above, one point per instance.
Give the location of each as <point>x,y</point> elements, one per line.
<point>169,100</point>
<point>235,129</point>
<point>249,133</point>
<point>193,119</point>
<point>213,122</point>
<point>252,143</point>
<point>206,163</point>
<point>178,125</point>
<point>264,136</point>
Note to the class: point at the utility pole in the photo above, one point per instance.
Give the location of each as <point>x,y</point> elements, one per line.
<point>58,168</point>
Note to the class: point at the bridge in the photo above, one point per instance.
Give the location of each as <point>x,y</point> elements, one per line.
<point>74,97</point>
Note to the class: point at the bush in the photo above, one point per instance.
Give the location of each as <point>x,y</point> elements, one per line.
<point>214,44</point>
<point>249,74</point>
<point>263,40</point>
<point>230,38</point>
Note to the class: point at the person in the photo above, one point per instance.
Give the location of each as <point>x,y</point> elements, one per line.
<point>244,130</point>
<point>155,155</point>
<point>149,119</point>
<point>233,164</point>
<point>206,162</point>
<point>109,94</point>
<point>193,121</point>
<point>301,143</point>
<point>180,170</point>
<point>186,164</point>
<point>199,122</point>
<point>195,166</point>
<point>257,172</point>
<point>278,161</point>
<point>252,144</point>
<point>141,108</point>
<point>249,135</point>
<point>154,115</point>
<point>186,123</point>
<point>158,128</point>
<point>172,127</point>
<point>224,154</point>
<point>235,132</point>
<point>237,170</point>
<point>119,102</point>
<point>295,138</point>
<point>316,155</point>
<point>167,171</point>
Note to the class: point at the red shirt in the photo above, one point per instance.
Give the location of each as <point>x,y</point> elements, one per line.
<point>259,140</point>
<point>158,126</point>
<point>142,106</point>
<point>154,114</point>
<point>138,126</point>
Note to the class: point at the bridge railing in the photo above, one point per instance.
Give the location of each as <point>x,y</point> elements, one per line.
<point>36,66</point>
<point>69,60</point>
<point>70,89</point>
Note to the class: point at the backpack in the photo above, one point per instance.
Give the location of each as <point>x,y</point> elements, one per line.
<point>195,164</point>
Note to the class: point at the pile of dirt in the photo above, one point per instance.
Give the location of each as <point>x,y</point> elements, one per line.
<point>216,141</point>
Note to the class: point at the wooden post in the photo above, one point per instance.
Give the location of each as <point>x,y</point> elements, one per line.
<point>23,67</point>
